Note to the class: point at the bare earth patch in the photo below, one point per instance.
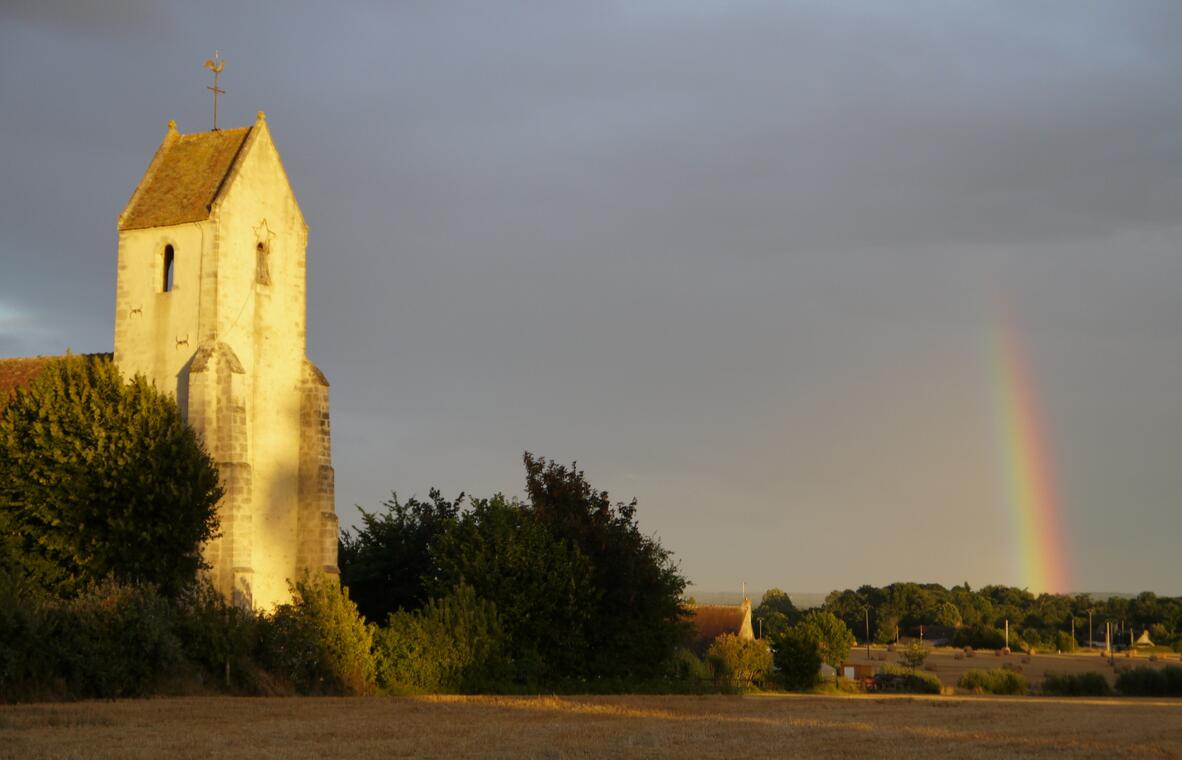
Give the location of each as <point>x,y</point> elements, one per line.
<point>555,727</point>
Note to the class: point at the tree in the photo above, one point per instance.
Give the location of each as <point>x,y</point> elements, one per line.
<point>913,655</point>
<point>384,563</point>
<point>637,620</point>
<point>542,588</point>
<point>775,613</point>
<point>833,638</point>
<point>797,655</point>
<point>100,478</point>
<point>738,662</point>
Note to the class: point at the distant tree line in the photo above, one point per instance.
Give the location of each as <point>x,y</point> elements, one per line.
<point>977,618</point>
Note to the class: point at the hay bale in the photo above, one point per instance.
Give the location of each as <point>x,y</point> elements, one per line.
<point>968,651</point>
<point>958,656</point>
<point>1026,660</point>
<point>930,667</point>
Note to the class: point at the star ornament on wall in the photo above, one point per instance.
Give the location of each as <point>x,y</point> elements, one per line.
<point>263,234</point>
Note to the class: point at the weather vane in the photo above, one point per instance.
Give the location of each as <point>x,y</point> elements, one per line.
<point>215,64</point>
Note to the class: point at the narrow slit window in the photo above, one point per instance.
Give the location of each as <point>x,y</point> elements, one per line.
<point>169,256</point>
<point>262,274</point>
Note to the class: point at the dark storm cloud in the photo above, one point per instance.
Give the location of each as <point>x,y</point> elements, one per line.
<point>739,259</point>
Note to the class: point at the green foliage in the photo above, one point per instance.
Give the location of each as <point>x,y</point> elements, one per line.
<point>113,640</point>
<point>26,661</point>
<point>319,642</point>
<point>1064,642</point>
<point>455,643</point>
<point>101,478</point>
<point>218,637</point>
<point>1147,681</point>
<point>637,617</point>
<point>797,655</point>
<point>948,615</point>
<point>833,638</point>
<point>913,655</point>
<point>1076,685</point>
<point>738,662</point>
<point>775,614</point>
<point>891,677</point>
<point>385,562</point>
<point>994,681</point>
<point>684,665</point>
<point>542,588</point>
<point>979,637</point>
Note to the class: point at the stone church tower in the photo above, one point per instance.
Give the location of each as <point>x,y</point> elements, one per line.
<point>210,305</point>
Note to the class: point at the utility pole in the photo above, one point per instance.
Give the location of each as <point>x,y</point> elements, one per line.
<point>1091,630</point>
<point>1073,632</point>
<point>1007,633</point>
<point>867,632</point>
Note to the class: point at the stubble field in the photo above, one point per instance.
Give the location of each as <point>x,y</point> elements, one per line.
<point>615,726</point>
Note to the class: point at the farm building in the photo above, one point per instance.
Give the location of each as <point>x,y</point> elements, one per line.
<point>712,620</point>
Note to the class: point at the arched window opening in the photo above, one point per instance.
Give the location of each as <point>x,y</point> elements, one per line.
<point>262,274</point>
<point>166,284</point>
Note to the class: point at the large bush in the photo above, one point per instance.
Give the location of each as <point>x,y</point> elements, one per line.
<point>101,478</point>
<point>114,640</point>
<point>979,637</point>
<point>994,681</point>
<point>455,643</point>
<point>1146,681</point>
<point>319,642</point>
<point>895,678</point>
<point>1076,685</point>
<point>739,662</point>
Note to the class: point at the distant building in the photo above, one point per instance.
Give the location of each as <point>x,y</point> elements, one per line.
<point>712,620</point>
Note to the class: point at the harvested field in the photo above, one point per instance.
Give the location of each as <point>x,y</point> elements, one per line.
<point>553,727</point>
<point>944,663</point>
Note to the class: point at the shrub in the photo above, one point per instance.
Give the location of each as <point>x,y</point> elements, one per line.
<point>994,681</point>
<point>1145,681</point>
<point>1076,685</point>
<point>319,642</point>
<point>455,643</point>
<point>894,678</point>
<point>26,662</point>
<point>684,665</point>
<point>1064,642</point>
<point>219,638</point>
<point>914,655</point>
<point>114,640</point>
<point>738,662</point>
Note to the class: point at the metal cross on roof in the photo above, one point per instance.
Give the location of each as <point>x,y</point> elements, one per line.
<point>215,64</point>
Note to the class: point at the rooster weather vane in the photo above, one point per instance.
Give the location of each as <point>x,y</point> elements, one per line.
<point>215,64</point>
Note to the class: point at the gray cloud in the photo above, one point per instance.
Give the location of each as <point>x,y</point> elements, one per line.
<point>741,260</point>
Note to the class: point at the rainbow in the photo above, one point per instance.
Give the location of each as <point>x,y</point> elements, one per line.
<point>1026,460</point>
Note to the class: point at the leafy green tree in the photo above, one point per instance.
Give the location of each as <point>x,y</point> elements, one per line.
<point>948,615</point>
<point>775,613</point>
<point>637,619</point>
<point>738,662</point>
<point>833,638</point>
<point>102,478</point>
<point>542,588</point>
<point>386,561</point>
<point>797,655</point>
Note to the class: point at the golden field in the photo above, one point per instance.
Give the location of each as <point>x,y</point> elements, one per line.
<point>599,726</point>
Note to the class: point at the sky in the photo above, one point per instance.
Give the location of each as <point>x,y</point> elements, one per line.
<point>743,261</point>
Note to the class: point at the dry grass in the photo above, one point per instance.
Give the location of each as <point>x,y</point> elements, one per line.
<point>711,726</point>
<point>944,663</point>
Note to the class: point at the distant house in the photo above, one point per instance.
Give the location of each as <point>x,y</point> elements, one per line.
<point>711,620</point>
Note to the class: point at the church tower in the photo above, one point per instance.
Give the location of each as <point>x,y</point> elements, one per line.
<point>210,306</point>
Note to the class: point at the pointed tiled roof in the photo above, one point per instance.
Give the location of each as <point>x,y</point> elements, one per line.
<point>184,178</point>
<point>712,620</point>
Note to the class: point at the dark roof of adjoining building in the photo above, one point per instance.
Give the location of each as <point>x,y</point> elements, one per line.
<point>19,372</point>
<point>184,178</point>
